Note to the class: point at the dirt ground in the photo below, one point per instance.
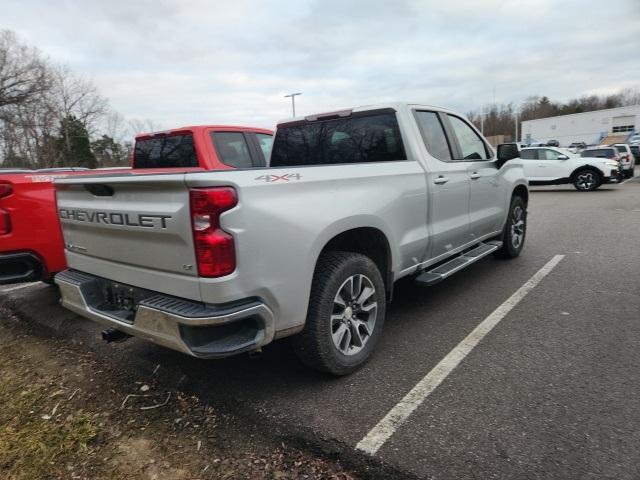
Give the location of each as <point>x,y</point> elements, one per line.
<point>64,415</point>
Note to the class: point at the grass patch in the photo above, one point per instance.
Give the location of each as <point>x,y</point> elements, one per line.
<point>30,446</point>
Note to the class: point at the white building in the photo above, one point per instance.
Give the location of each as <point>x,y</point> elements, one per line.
<point>590,127</point>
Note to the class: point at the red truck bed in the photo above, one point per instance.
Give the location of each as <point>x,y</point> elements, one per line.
<point>31,245</point>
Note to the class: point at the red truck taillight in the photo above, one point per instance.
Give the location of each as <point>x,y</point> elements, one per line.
<point>6,189</point>
<point>215,248</point>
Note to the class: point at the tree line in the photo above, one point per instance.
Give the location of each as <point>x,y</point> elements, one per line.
<point>52,117</point>
<point>500,119</point>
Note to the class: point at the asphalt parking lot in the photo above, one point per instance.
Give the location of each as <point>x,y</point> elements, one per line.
<point>552,390</point>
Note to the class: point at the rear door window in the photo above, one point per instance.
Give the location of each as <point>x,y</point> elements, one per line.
<point>433,135</point>
<point>372,137</point>
<point>232,149</point>
<point>531,154</point>
<point>166,151</point>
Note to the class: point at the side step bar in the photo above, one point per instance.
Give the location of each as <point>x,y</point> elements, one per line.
<point>445,270</point>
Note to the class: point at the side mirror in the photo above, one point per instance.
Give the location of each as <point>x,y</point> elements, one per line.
<point>506,152</point>
<point>563,157</point>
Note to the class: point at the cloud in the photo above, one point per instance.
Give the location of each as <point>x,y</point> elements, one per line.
<point>232,61</point>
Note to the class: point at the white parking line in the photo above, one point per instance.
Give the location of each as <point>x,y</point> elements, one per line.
<point>19,287</point>
<point>379,434</point>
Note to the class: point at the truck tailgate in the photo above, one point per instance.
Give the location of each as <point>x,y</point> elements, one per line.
<point>131,229</point>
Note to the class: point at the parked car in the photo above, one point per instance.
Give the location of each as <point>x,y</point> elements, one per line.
<point>577,147</point>
<point>627,158</point>
<point>635,150</point>
<point>217,263</point>
<point>553,143</point>
<point>635,139</point>
<point>555,166</point>
<point>31,245</point>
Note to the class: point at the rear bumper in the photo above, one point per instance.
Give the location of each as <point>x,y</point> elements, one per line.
<point>195,328</point>
<point>19,267</point>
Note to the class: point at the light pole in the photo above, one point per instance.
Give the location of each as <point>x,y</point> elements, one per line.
<point>293,101</point>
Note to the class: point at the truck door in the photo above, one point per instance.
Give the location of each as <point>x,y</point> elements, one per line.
<point>487,187</point>
<point>448,186</point>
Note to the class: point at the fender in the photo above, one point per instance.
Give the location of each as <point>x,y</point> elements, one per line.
<point>587,166</point>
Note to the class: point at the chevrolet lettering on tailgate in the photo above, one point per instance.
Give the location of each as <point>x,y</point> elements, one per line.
<point>114,218</point>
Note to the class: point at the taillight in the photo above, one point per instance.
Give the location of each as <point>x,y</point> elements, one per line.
<point>6,189</point>
<point>5,222</point>
<point>215,248</point>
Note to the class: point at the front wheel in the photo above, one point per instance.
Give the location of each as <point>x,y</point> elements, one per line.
<point>346,313</point>
<point>586,181</point>
<point>515,229</point>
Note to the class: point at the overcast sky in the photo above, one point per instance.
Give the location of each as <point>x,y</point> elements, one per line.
<point>195,61</point>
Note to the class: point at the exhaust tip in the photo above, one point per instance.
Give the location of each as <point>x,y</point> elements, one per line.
<point>113,335</point>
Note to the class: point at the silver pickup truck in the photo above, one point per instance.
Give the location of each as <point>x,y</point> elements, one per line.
<point>217,263</point>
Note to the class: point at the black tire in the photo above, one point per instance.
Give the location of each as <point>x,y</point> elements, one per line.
<point>315,345</point>
<point>511,249</point>
<point>586,180</point>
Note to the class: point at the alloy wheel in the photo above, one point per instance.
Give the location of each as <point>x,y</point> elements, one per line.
<point>354,314</point>
<point>517,227</point>
<point>586,180</point>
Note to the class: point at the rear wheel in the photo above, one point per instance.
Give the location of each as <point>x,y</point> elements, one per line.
<point>586,180</point>
<point>345,316</point>
<point>515,230</point>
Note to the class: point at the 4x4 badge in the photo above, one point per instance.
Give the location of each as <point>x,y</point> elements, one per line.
<point>279,178</point>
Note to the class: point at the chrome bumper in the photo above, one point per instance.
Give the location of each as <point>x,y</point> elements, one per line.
<point>197,329</point>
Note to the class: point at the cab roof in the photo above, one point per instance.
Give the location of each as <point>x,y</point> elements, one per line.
<point>345,112</point>
<point>199,128</point>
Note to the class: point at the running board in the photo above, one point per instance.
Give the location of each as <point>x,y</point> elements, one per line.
<point>439,273</point>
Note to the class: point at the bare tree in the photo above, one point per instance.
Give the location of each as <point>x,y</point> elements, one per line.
<point>137,126</point>
<point>73,95</point>
<point>24,73</point>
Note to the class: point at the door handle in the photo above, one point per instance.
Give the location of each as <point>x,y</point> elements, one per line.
<point>474,176</point>
<point>440,180</point>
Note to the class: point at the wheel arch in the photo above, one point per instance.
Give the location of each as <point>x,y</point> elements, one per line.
<point>369,241</point>
<point>521,191</point>
<point>586,167</point>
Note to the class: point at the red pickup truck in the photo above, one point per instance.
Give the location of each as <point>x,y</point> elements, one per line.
<point>31,245</point>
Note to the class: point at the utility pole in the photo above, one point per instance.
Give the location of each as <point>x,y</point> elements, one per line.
<point>482,120</point>
<point>293,101</point>
<point>516,137</point>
